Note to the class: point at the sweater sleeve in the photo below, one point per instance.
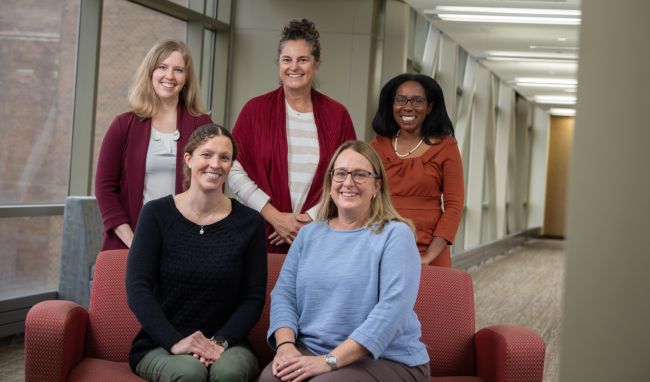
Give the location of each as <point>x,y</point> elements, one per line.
<point>453,193</point>
<point>253,288</point>
<point>109,176</point>
<point>284,303</point>
<point>399,279</point>
<point>142,276</point>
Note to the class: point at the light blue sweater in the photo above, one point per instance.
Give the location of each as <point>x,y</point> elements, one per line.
<point>353,284</point>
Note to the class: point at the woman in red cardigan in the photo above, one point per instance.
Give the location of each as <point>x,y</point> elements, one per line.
<point>139,160</point>
<point>286,138</point>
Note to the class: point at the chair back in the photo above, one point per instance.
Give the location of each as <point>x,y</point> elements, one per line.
<point>257,336</point>
<point>112,326</point>
<point>445,308</point>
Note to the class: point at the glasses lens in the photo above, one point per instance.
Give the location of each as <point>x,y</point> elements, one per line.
<point>418,101</point>
<point>339,174</point>
<point>400,100</point>
<point>360,176</point>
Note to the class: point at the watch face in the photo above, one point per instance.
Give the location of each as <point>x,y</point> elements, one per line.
<point>331,361</point>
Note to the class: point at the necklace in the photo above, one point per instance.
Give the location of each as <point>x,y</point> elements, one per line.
<point>408,153</point>
<point>201,230</point>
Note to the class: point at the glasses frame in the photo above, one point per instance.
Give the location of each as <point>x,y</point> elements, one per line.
<point>411,100</point>
<point>369,175</point>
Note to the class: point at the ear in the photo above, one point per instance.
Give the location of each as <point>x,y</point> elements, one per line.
<point>187,157</point>
<point>377,185</point>
<point>429,108</point>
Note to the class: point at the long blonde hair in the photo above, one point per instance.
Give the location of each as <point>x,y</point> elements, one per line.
<point>381,207</point>
<point>143,100</point>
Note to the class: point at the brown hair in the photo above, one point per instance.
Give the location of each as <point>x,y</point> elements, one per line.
<point>198,137</point>
<point>381,207</point>
<point>301,30</point>
<point>143,100</point>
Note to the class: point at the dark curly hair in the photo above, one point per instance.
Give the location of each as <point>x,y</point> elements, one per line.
<point>198,137</point>
<point>436,123</point>
<point>301,30</point>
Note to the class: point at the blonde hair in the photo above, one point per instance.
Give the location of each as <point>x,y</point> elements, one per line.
<point>143,100</point>
<point>381,207</point>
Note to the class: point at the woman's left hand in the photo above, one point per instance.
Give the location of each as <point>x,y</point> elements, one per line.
<point>302,368</point>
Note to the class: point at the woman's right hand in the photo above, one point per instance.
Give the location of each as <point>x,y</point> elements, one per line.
<point>284,354</point>
<point>124,233</point>
<point>285,224</point>
<point>200,346</point>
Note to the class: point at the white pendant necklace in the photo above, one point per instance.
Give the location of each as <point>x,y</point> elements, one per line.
<point>408,153</point>
<point>202,230</point>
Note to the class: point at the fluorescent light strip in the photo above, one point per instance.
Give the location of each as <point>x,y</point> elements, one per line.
<point>537,85</point>
<point>562,112</point>
<point>508,19</point>
<point>560,100</point>
<point>502,53</point>
<point>497,10</point>
<point>558,81</point>
<point>530,59</point>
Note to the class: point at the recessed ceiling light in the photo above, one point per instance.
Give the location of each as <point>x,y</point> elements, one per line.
<point>506,15</point>
<point>562,112</point>
<point>556,99</point>
<point>561,38</point>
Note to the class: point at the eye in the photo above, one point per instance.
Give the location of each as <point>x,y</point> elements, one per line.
<point>205,155</point>
<point>302,60</point>
<point>225,158</point>
<point>179,70</point>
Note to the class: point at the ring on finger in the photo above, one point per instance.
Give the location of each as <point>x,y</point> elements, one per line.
<point>299,371</point>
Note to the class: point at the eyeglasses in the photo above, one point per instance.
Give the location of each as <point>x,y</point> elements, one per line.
<point>358,176</point>
<point>417,101</point>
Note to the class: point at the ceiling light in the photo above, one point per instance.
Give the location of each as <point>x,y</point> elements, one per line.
<point>500,10</point>
<point>553,47</point>
<point>565,82</point>
<point>562,112</point>
<point>554,99</point>
<point>506,15</point>
<point>525,54</point>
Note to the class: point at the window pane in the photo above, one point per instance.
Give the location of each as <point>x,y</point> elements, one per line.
<point>31,259</point>
<point>207,67</point>
<point>38,45</point>
<point>128,32</point>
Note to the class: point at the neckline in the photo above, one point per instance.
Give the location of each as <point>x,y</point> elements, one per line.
<point>202,227</point>
<point>297,113</point>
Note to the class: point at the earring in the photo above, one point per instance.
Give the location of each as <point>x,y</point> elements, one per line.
<point>189,166</point>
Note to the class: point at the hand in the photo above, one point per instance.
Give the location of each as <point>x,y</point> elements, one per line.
<point>434,249</point>
<point>200,347</point>
<point>284,354</point>
<point>302,368</point>
<point>285,224</point>
<point>124,233</point>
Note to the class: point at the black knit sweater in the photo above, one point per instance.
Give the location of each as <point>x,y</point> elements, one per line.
<point>179,281</point>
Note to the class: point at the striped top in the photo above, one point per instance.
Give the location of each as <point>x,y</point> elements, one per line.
<point>303,156</point>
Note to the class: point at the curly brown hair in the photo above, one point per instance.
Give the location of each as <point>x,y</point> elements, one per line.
<point>304,29</point>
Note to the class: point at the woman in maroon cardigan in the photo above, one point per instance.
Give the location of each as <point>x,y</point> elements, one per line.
<point>286,138</point>
<point>139,160</point>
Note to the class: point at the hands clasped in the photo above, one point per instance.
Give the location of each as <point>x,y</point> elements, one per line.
<point>286,226</point>
<point>290,365</point>
<point>201,347</point>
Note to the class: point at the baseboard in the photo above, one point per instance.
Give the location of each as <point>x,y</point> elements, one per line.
<point>14,311</point>
<point>482,253</point>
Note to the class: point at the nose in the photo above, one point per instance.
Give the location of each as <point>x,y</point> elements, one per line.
<point>348,179</point>
<point>215,162</point>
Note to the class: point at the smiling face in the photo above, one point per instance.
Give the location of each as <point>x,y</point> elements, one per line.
<point>168,78</point>
<point>353,199</point>
<point>297,65</point>
<point>210,163</point>
<point>408,117</point>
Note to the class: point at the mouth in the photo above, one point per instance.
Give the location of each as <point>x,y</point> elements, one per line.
<point>212,175</point>
<point>348,194</point>
<point>167,84</point>
<point>407,118</point>
<point>295,75</point>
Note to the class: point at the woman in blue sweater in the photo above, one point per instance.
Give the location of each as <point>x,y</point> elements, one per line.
<point>342,308</point>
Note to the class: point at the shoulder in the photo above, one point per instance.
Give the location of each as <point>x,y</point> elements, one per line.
<point>158,209</point>
<point>265,99</point>
<point>395,228</point>
<point>328,103</point>
<point>380,143</point>
<point>246,216</point>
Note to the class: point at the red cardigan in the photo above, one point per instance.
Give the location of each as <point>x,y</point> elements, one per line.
<point>119,181</point>
<point>261,136</point>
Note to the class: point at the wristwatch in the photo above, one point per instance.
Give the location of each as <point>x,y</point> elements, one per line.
<point>330,359</point>
<point>221,341</point>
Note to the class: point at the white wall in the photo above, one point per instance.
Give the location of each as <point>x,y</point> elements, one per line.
<point>605,327</point>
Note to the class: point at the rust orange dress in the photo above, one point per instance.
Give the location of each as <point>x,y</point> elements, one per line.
<point>419,186</point>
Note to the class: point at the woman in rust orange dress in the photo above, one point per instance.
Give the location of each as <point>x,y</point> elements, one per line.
<point>415,140</point>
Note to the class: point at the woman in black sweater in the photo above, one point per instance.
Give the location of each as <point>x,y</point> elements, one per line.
<point>196,273</point>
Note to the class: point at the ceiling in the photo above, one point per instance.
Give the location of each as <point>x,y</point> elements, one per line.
<point>558,43</point>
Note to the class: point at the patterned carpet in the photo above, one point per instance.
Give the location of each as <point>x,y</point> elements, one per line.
<point>523,287</point>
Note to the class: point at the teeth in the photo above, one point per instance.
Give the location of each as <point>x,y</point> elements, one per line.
<point>408,118</point>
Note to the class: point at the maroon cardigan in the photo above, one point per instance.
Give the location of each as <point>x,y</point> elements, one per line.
<point>261,136</point>
<point>119,181</point>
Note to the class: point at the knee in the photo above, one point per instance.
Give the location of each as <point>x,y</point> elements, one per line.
<point>230,375</point>
<point>189,372</point>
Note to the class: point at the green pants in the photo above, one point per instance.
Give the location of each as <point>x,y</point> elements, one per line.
<point>237,364</point>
